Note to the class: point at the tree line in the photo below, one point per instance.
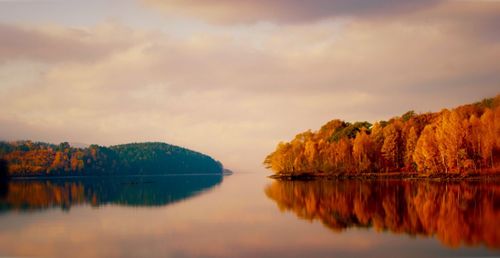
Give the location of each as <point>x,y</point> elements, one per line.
<point>27,158</point>
<point>463,140</point>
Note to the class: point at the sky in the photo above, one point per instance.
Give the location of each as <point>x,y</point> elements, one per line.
<point>232,78</point>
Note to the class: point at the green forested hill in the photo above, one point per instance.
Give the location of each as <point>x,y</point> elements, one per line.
<point>26,158</point>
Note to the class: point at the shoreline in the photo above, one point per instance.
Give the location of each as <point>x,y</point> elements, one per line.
<point>390,175</point>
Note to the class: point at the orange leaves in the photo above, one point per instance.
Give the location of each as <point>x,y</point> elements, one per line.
<point>463,140</point>
<point>391,149</point>
<point>362,152</point>
<point>450,138</point>
<point>458,142</point>
<point>411,144</point>
<point>489,136</point>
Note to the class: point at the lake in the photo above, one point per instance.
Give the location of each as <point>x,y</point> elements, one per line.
<point>247,215</point>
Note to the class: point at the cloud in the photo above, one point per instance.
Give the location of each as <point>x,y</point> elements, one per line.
<point>470,19</point>
<point>284,11</point>
<point>235,95</point>
<point>60,44</point>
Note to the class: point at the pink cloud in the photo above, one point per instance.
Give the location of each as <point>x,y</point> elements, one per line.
<point>284,11</point>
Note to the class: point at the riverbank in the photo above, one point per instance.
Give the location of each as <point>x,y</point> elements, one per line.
<point>490,175</point>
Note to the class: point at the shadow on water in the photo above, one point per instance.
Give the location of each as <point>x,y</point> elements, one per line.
<point>460,213</point>
<point>148,191</point>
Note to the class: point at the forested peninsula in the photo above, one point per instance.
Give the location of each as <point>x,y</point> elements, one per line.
<point>26,159</point>
<point>457,143</point>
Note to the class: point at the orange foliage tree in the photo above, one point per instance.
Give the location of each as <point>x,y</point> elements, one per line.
<point>461,140</point>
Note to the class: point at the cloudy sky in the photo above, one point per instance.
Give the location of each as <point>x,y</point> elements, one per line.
<point>231,78</point>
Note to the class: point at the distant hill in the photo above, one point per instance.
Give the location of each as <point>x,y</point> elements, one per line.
<point>26,158</point>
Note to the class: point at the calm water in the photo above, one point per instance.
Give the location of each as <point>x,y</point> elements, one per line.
<point>247,214</point>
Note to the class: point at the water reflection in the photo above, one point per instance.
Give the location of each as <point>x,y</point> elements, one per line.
<point>4,186</point>
<point>31,195</point>
<point>464,213</point>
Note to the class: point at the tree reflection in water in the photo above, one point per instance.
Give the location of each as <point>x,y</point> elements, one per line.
<point>32,195</point>
<point>457,213</point>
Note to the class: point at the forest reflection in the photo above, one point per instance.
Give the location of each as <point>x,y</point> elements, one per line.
<point>456,213</point>
<point>32,195</point>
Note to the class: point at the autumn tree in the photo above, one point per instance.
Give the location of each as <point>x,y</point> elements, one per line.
<point>427,155</point>
<point>377,139</point>
<point>391,149</point>
<point>311,155</point>
<point>411,144</point>
<point>489,137</point>
<point>450,137</point>
<point>362,152</point>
